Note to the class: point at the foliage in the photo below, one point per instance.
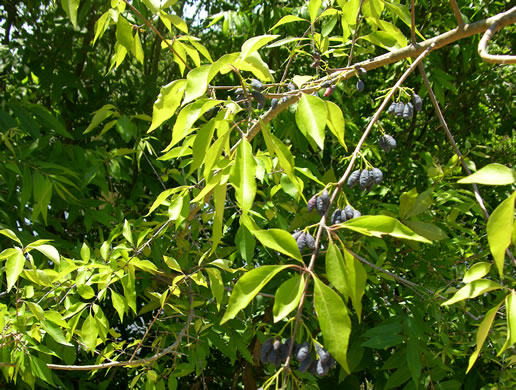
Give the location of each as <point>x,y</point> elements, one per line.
<point>148,209</point>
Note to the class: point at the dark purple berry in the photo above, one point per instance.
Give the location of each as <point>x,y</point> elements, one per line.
<point>323,202</point>
<point>259,98</point>
<point>309,240</point>
<point>377,175</point>
<point>399,109</point>
<point>417,102</point>
<point>391,109</point>
<point>348,211</point>
<point>360,85</point>
<point>310,205</point>
<point>274,103</point>
<point>365,179</point>
<point>353,178</point>
<point>408,111</point>
<point>257,85</point>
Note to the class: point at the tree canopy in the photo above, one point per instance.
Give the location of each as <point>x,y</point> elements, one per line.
<point>282,194</point>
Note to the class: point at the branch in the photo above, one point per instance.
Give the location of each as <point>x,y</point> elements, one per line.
<point>456,11</point>
<point>444,125</point>
<point>493,58</point>
<point>139,362</point>
<point>322,223</point>
<point>355,33</point>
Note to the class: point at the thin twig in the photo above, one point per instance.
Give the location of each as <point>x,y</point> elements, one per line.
<point>456,11</point>
<point>133,363</point>
<point>322,222</point>
<point>444,125</point>
<point>412,22</point>
<point>355,33</point>
<point>156,31</point>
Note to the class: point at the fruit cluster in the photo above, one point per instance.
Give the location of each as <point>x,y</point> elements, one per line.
<point>348,213</point>
<point>275,352</point>
<point>365,178</point>
<point>256,94</point>
<point>320,203</point>
<point>319,366</point>
<point>406,110</point>
<point>304,240</point>
<point>387,142</point>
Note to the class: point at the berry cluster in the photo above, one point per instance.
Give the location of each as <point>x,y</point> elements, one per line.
<point>365,178</point>
<point>304,240</point>
<point>406,110</point>
<point>256,94</point>
<point>275,352</point>
<point>348,213</point>
<point>387,143</point>
<point>320,203</point>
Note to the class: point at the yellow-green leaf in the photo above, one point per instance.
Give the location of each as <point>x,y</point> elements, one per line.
<point>243,176</point>
<point>334,322</point>
<point>248,286</point>
<point>477,271</point>
<point>255,43</point>
<point>166,104</point>
<point>311,116</point>
<point>279,240</point>
<point>287,19</point>
<point>335,122</point>
<point>472,290</point>
<point>197,82</point>
<point>482,332</point>
<point>493,174</point>
<point>287,297</point>
<point>89,333</point>
<point>499,230</point>
<point>510,309</point>
<point>13,268</point>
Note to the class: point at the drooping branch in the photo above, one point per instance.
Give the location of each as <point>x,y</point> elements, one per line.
<point>493,58</point>
<point>139,362</point>
<point>446,129</point>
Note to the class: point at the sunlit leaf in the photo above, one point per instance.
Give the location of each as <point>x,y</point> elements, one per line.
<point>492,174</point>
<point>248,286</point>
<point>287,297</point>
<point>473,290</point>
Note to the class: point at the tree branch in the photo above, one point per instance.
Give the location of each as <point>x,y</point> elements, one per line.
<point>493,58</point>
<point>456,11</point>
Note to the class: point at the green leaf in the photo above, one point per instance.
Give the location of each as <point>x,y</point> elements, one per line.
<point>216,285</point>
<point>427,230</point>
<point>119,304</point>
<point>50,252</point>
<point>40,369</point>
<point>128,284</point>
<point>334,322</point>
<point>248,286</point>
<point>377,225</point>
<point>85,252</point>
<point>254,63</point>
<point>201,144</point>
<point>172,264</point>
<point>287,19</point>
<point>13,268</point>
<point>482,332</point>
<point>89,333</point>
<point>173,20</point>
<point>124,33</point>
<point>162,197</point>
<point>166,104</point>
<point>197,82</point>
<point>335,122</point>
<point>287,297</point>
<point>42,192</point>
<point>126,232</point>
<point>510,309</point>
<point>245,243</point>
<point>313,9</point>
<point>242,176</point>
<point>493,174</point>
<point>336,270</point>
<point>499,230</point>
<point>85,291</point>
<point>255,43</point>
<point>101,114</point>
<point>472,290</point>
<point>55,332</point>
<point>477,271</point>
<point>357,279</point>
<point>187,117</point>
<point>70,7</point>
<point>219,200</point>
<point>311,116</point>
<point>400,376</point>
<point>279,240</point>
<point>9,233</point>
<point>413,359</point>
